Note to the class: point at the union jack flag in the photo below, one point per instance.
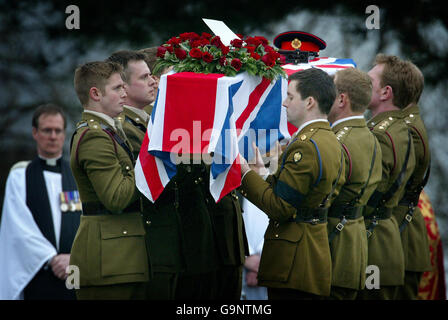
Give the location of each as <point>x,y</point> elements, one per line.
<point>219,115</point>
<point>211,114</point>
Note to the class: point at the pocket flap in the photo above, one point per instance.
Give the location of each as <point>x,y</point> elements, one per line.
<point>290,231</point>
<point>116,227</point>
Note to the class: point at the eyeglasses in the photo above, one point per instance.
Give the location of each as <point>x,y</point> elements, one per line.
<point>49,131</point>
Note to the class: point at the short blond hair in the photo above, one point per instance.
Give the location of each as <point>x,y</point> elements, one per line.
<point>404,77</point>
<point>357,85</point>
<point>93,74</point>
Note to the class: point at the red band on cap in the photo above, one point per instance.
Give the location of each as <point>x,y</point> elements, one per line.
<point>306,46</point>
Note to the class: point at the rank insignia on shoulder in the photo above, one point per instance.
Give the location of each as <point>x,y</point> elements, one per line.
<point>302,137</point>
<point>297,157</point>
<point>384,124</point>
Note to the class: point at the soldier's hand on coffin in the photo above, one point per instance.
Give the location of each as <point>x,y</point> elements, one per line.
<point>244,166</point>
<point>274,155</point>
<point>58,264</point>
<point>258,164</point>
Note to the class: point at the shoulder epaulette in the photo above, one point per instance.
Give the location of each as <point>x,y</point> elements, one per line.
<point>93,124</point>
<point>341,134</point>
<point>410,119</point>
<point>385,124</point>
<point>20,164</point>
<point>304,136</point>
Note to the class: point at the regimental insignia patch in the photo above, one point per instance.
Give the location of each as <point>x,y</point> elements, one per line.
<point>297,157</point>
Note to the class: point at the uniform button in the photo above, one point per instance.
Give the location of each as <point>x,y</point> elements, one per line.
<point>196,181</point>
<point>95,126</point>
<point>345,128</point>
<point>137,119</point>
<point>312,129</point>
<point>148,222</point>
<point>125,232</point>
<point>91,120</point>
<point>200,179</point>
<point>411,115</point>
<point>276,235</point>
<point>390,118</point>
<point>128,168</point>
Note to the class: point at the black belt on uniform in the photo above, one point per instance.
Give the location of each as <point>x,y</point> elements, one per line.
<point>343,212</point>
<point>410,202</point>
<point>380,214</point>
<point>348,212</point>
<point>311,215</point>
<point>97,208</point>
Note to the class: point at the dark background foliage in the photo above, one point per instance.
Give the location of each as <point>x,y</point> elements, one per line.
<point>38,54</point>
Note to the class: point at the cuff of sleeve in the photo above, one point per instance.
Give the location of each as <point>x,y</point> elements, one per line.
<point>242,178</point>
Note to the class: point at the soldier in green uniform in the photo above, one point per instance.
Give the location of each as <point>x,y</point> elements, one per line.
<point>179,228</point>
<point>385,248</point>
<point>411,223</point>
<point>362,153</point>
<point>140,92</point>
<point>296,261</point>
<point>151,59</point>
<point>109,248</point>
<point>161,219</point>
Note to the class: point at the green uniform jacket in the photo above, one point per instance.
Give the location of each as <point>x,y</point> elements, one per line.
<point>108,248</point>
<point>296,255</point>
<point>414,236</point>
<point>385,248</point>
<point>133,126</point>
<point>349,247</point>
<point>161,220</point>
<point>148,108</point>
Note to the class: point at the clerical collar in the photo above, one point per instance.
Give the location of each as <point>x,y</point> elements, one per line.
<point>141,113</point>
<point>51,164</point>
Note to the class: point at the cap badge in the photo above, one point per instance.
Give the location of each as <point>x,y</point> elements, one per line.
<point>296,43</point>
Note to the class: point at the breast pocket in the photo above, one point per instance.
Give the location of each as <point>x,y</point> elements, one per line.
<point>123,248</point>
<point>279,251</point>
